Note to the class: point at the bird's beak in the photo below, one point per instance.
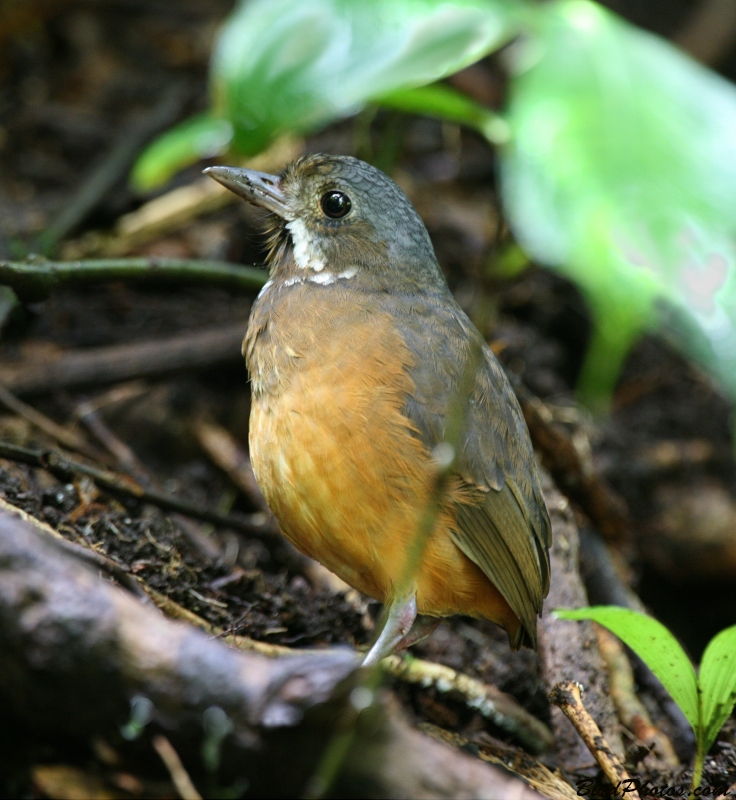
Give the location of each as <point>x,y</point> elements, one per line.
<point>256,187</point>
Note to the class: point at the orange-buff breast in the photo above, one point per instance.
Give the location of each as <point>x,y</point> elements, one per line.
<point>341,466</point>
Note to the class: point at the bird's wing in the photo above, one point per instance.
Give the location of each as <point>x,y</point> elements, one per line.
<point>507,531</point>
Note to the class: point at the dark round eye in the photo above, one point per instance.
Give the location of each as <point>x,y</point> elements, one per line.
<point>336,204</point>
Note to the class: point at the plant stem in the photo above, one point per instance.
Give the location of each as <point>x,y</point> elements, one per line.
<point>448,104</point>
<point>697,770</point>
<point>607,350</point>
<point>36,279</point>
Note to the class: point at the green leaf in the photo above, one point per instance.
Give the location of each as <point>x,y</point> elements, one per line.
<point>621,172</point>
<point>450,105</point>
<point>655,645</point>
<point>202,136</point>
<point>287,65</point>
<point>718,683</point>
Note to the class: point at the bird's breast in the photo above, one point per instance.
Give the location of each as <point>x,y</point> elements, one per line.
<point>337,459</point>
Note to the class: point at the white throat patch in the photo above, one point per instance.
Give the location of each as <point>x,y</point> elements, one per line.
<point>306,254</point>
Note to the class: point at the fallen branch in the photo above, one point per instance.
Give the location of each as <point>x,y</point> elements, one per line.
<point>192,350</point>
<point>569,650</point>
<point>493,704</point>
<point>66,469</point>
<point>37,278</point>
<point>566,696</point>
<point>551,784</point>
<point>605,507</point>
<point>60,626</point>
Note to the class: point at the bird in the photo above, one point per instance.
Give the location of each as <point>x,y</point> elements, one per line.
<point>361,365</point>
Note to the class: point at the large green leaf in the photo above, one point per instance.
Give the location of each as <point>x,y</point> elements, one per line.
<point>655,645</point>
<point>718,683</point>
<point>291,66</point>
<point>621,171</point>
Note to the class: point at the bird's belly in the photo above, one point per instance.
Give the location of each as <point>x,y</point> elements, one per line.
<point>343,483</point>
<point>349,486</point>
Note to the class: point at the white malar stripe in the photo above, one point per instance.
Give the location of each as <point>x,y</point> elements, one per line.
<point>304,249</point>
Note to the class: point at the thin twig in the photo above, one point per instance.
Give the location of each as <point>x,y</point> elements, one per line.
<point>227,454</point>
<point>191,350</point>
<point>129,462</point>
<point>89,415</point>
<point>113,168</point>
<point>604,584</point>
<point>67,469</point>
<point>566,695</point>
<point>37,278</point>
<point>179,775</point>
<point>176,208</point>
<point>62,435</point>
<point>629,708</point>
<point>605,507</point>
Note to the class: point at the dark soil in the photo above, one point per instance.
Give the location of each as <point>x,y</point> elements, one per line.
<point>72,75</point>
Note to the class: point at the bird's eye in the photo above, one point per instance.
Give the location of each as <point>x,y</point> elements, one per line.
<point>335,204</point>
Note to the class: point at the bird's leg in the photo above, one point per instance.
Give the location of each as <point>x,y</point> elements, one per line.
<point>401,616</point>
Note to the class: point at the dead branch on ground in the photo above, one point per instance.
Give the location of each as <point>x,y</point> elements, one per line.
<point>201,349</point>
<point>605,507</point>
<point>569,650</point>
<point>67,469</point>
<point>60,626</point>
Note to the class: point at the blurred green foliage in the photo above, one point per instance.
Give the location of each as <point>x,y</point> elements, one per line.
<point>621,172</point>
<point>282,66</point>
<point>706,700</point>
<point>617,152</point>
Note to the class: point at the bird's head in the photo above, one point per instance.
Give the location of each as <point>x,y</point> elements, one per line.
<point>336,218</point>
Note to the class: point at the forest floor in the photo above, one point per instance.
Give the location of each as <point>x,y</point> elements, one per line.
<point>73,76</point>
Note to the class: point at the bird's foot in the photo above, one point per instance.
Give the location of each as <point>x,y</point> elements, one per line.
<point>401,616</point>
<point>402,629</point>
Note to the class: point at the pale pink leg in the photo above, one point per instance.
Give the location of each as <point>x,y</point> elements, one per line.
<point>398,633</point>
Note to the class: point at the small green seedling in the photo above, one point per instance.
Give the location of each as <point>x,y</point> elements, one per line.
<point>706,701</point>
